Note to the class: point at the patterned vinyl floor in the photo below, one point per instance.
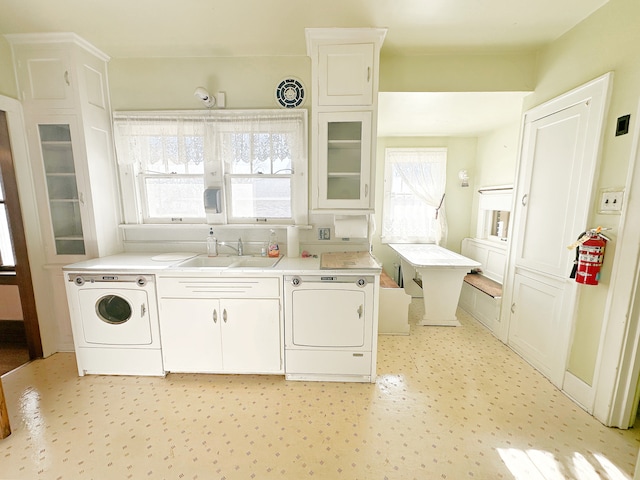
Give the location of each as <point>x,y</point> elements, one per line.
<point>449,403</point>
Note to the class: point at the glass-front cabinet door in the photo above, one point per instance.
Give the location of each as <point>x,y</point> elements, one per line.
<point>344,160</point>
<point>56,146</point>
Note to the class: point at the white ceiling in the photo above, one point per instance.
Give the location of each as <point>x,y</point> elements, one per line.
<point>142,28</point>
<point>192,28</point>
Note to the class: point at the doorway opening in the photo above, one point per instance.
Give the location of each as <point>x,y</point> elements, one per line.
<point>19,331</point>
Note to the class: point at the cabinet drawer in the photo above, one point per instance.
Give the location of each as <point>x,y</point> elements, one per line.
<point>194,287</point>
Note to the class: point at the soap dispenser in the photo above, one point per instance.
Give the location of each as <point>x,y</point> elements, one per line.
<point>212,244</point>
<point>274,249</point>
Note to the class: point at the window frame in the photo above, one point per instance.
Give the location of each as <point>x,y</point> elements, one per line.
<point>132,191</point>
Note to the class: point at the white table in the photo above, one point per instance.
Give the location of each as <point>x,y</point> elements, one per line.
<point>442,273</point>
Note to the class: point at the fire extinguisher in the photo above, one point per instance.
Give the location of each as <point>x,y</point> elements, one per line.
<point>589,256</point>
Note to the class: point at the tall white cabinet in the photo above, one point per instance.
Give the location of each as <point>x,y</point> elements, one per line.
<point>63,87</point>
<point>344,69</point>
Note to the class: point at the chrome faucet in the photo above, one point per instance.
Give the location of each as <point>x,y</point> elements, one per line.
<point>239,249</point>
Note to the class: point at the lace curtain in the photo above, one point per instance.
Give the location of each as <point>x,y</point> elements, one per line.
<point>161,143</point>
<point>423,171</point>
<point>264,143</point>
<point>247,141</point>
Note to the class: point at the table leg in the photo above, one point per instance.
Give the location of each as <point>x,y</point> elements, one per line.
<point>441,289</point>
<point>5,428</point>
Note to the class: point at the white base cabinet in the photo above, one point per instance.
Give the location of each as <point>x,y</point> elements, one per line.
<point>204,334</point>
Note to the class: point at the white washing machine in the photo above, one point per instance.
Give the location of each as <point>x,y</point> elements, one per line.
<point>114,318</point>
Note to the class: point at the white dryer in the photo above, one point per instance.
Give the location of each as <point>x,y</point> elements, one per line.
<point>114,318</point>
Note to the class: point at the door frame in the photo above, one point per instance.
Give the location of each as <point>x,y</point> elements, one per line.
<point>22,273</point>
<point>41,285</point>
<point>618,368</point>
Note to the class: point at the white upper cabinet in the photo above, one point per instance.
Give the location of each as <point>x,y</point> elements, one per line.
<point>345,74</point>
<point>63,86</point>
<point>44,75</point>
<point>344,140</point>
<point>60,71</point>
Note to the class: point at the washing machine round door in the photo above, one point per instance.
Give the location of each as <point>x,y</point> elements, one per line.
<point>113,309</point>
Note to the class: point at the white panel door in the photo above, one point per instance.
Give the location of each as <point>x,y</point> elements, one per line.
<point>553,196</point>
<point>251,336</point>
<point>190,331</point>
<point>537,323</point>
<point>346,74</point>
<point>550,191</point>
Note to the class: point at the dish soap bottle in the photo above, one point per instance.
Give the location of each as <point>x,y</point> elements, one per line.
<point>212,244</point>
<point>273,250</point>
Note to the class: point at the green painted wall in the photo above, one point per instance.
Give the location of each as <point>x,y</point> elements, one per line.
<point>8,86</point>
<point>169,83</point>
<point>512,72</point>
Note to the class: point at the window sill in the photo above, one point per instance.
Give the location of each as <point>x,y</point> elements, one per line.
<point>190,233</point>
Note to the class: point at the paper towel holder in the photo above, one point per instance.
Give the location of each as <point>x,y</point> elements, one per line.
<point>351,226</point>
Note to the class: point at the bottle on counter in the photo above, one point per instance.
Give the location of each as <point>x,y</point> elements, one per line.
<point>273,249</point>
<point>212,244</point>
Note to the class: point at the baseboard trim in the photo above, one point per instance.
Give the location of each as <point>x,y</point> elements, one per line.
<point>578,391</point>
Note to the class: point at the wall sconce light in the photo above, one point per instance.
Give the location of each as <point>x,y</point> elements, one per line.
<point>464,178</point>
<point>203,95</point>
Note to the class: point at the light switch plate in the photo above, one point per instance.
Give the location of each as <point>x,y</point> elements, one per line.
<point>611,201</point>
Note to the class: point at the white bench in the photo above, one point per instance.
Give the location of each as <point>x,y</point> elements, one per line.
<point>481,294</point>
<point>393,309</point>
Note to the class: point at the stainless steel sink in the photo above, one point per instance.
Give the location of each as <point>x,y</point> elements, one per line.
<point>230,261</point>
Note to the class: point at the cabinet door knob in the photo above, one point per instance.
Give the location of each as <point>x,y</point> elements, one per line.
<point>224,315</point>
<point>513,308</point>
<point>366,190</point>
<point>368,74</point>
<point>524,199</point>
<point>360,309</point>
<point>66,78</point>
<point>215,316</point>
<point>143,310</point>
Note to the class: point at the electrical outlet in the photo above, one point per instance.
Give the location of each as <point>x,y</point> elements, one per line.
<point>324,234</point>
<point>611,201</point>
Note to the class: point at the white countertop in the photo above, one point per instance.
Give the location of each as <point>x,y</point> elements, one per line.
<point>169,263</point>
<point>126,262</point>
<point>425,255</point>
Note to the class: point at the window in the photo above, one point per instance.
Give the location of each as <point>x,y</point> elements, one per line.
<point>257,159</point>
<point>7,257</point>
<point>262,156</point>
<point>414,195</point>
<point>494,207</point>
